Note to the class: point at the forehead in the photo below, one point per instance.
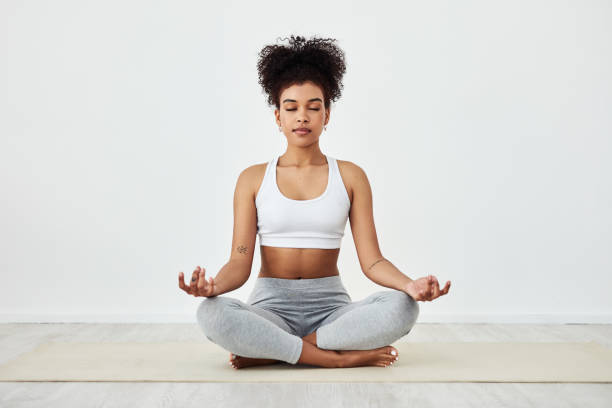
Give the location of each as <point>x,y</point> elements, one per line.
<point>302,92</point>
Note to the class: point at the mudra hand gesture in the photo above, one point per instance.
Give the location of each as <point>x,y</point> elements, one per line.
<point>199,286</point>
<point>426,289</point>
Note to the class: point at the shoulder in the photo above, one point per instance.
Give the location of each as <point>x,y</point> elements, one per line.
<point>250,179</point>
<point>351,171</point>
<point>354,177</point>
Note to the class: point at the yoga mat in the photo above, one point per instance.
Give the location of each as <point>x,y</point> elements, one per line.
<point>418,362</point>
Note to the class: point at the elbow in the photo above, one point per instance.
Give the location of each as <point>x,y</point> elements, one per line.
<point>241,269</point>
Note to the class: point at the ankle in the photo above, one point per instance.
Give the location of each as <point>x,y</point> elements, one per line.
<point>311,338</point>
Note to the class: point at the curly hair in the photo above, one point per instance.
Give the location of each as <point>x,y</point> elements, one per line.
<point>318,60</point>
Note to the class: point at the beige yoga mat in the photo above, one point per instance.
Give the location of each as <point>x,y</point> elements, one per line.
<point>418,362</point>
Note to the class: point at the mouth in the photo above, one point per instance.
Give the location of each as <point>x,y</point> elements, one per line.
<point>302,131</point>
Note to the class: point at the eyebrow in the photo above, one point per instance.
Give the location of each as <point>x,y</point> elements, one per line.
<point>310,100</point>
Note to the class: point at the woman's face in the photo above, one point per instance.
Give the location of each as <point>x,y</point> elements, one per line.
<point>302,106</point>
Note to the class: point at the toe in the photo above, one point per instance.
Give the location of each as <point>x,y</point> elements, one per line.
<point>393,351</point>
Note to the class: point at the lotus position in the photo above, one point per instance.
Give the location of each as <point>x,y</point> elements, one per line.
<point>298,203</point>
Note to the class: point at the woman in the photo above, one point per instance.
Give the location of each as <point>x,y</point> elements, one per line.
<point>299,203</point>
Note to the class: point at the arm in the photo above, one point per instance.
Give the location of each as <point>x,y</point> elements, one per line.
<point>376,267</point>
<point>237,270</point>
<point>229,277</point>
<point>386,274</point>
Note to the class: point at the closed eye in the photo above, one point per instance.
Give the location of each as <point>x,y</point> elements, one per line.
<point>310,109</point>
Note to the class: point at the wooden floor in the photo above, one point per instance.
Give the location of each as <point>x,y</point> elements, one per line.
<point>18,338</point>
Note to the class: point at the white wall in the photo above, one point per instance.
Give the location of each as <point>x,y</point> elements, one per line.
<point>484,128</point>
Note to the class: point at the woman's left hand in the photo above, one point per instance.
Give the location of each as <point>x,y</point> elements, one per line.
<point>426,289</point>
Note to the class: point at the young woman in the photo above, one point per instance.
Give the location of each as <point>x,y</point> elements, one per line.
<point>299,203</point>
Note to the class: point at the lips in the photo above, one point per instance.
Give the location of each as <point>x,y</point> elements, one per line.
<point>302,130</point>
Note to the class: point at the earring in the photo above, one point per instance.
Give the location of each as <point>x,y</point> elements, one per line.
<point>324,127</point>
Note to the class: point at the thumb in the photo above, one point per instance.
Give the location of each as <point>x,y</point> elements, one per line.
<point>211,285</point>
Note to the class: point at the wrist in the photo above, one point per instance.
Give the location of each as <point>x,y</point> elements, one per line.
<point>409,286</point>
<point>216,290</point>
<point>212,281</point>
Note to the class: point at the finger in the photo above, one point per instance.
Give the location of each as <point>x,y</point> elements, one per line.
<point>201,280</point>
<point>194,279</point>
<point>424,288</point>
<point>436,288</point>
<point>446,287</point>
<point>434,294</point>
<point>430,287</point>
<point>205,287</point>
<point>422,295</point>
<point>444,290</point>
<point>197,289</point>
<point>198,284</point>
<point>182,283</point>
<point>211,287</point>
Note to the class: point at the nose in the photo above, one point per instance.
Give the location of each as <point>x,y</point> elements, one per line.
<point>302,117</point>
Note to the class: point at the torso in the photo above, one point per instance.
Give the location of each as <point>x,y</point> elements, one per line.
<point>300,263</point>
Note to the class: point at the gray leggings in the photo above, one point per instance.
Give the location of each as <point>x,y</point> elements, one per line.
<point>279,312</point>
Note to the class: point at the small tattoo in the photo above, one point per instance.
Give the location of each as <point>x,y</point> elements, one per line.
<point>242,249</point>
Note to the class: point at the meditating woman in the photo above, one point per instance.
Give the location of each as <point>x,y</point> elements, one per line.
<point>299,310</point>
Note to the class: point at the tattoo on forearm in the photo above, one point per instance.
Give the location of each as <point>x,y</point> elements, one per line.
<point>242,249</point>
<point>381,259</point>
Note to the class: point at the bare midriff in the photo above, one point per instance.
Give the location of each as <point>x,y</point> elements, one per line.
<point>298,263</point>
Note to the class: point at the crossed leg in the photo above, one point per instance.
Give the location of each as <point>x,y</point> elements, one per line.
<point>256,336</point>
<point>381,318</point>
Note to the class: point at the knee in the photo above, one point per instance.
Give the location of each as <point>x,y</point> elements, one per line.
<point>406,308</point>
<point>214,307</point>
<point>212,313</point>
<point>205,308</point>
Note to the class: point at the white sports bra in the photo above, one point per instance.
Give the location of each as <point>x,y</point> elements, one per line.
<point>315,223</point>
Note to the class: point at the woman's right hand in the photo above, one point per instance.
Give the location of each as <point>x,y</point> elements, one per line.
<point>198,286</point>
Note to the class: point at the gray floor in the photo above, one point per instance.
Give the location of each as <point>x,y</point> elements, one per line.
<point>18,338</point>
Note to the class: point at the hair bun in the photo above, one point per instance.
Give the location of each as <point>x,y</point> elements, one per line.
<point>318,60</point>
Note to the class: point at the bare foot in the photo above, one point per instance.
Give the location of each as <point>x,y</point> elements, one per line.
<point>241,362</point>
<point>237,361</point>
<point>381,357</point>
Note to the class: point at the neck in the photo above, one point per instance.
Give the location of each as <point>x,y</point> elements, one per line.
<point>298,156</point>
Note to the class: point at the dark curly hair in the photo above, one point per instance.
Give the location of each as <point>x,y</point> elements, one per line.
<point>318,60</point>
